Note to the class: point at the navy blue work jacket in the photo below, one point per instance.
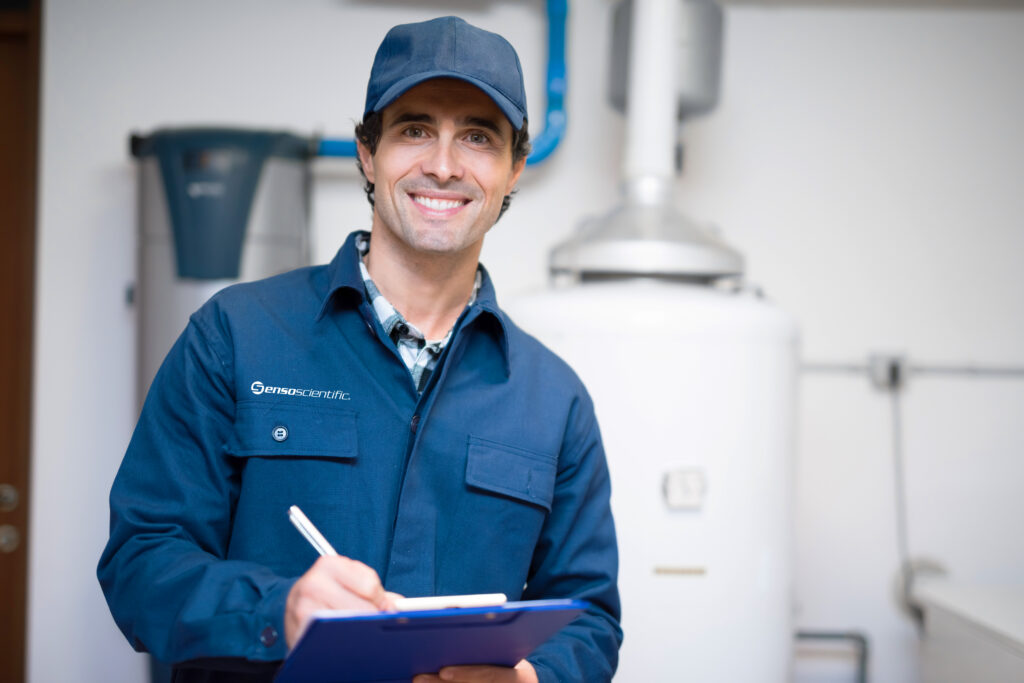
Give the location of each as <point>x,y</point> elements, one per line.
<point>287,392</point>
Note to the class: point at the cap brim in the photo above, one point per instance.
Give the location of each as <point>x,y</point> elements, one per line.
<point>515,116</point>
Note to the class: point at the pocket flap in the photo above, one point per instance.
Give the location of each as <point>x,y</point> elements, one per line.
<point>275,429</point>
<point>511,471</point>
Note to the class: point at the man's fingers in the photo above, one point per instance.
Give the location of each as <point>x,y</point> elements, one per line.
<point>391,598</point>
<point>337,580</point>
<point>343,583</point>
<point>333,582</point>
<point>477,674</point>
<point>357,578</point>
<point>523,672</point>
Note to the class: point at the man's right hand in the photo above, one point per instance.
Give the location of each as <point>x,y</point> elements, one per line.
<point>333,582</point>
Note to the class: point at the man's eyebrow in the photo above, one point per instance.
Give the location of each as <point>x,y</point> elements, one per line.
<point>481,122</point>
<point>411,117</point>
<point>476,121</point>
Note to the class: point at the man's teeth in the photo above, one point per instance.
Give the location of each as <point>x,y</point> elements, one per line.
<point>438,204</point>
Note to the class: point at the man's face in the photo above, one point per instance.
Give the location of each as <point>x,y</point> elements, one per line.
<point>442,167</point>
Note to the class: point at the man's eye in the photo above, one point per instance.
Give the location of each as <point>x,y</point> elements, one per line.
<point>414,132</point>
<point>478,138</point>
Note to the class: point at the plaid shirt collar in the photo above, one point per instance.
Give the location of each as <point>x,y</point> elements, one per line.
<point>418,354</point>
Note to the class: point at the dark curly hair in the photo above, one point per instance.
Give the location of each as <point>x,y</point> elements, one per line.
<point>369,130</point>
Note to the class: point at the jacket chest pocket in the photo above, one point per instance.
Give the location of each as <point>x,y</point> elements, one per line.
<point>509,495</point>
<point>294,453</point>
<point>510,472</point>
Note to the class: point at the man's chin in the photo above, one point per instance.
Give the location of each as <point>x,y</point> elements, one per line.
<point>438,237</point>
<point>440,245</point>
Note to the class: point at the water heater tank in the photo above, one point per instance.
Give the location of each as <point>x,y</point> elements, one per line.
<point>216,206</point>
<point>694,389</point>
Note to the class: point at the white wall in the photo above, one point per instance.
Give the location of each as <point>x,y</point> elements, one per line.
<point>869,165</point>
<point>867,162</point>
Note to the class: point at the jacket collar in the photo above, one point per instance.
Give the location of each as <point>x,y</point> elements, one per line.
<point>344,277</point>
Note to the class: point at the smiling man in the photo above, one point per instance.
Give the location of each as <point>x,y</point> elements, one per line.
<point>439,448</point>
<point>440,170</point>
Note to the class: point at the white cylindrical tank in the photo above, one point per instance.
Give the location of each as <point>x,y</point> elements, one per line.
<point>694,389</point>
<point>216,206</point>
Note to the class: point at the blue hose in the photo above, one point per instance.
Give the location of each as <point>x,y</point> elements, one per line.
<point>554,118</point>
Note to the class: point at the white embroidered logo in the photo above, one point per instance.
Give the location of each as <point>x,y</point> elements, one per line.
<point>259,387</point>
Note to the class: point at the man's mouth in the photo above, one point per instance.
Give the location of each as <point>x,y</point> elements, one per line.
<point>438,204</point>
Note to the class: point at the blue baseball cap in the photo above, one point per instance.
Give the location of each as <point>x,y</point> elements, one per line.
<point>447,47</point>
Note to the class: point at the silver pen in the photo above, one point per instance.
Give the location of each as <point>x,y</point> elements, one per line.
<point>401,604</point>
<point>311,533</point>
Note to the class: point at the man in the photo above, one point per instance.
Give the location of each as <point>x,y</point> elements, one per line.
<point>438,448</point>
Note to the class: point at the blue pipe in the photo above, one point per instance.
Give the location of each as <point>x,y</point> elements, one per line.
<point>336,148</point>
<point>554,118</point>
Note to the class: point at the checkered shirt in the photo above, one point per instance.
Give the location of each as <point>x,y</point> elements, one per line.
<point>419,354</point>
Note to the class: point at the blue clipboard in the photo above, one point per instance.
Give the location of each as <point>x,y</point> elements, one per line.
<point>395,646</point>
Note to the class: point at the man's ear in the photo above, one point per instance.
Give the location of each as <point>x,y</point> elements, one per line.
<point>366,160</point>
<point>517,169</point>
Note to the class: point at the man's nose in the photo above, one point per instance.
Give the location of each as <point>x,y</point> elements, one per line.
<point>443,160</point>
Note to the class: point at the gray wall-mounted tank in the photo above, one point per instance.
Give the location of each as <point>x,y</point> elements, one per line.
<point>216,206</point>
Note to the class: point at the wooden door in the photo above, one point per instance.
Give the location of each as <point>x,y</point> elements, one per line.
<point>19,112</point>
